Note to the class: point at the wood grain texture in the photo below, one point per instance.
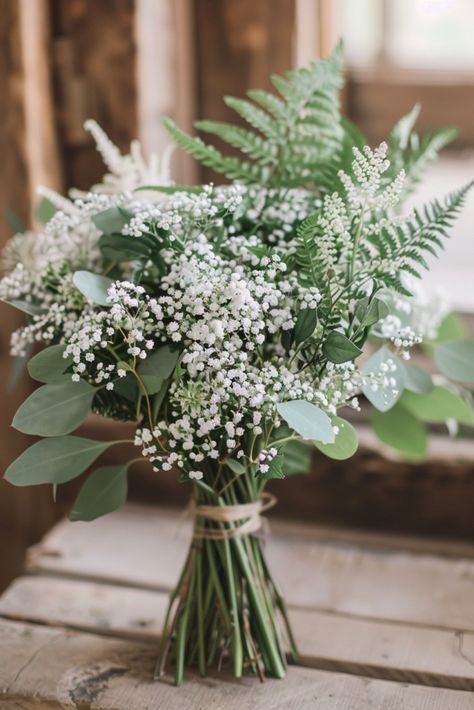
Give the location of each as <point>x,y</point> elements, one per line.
<point>325,641</point>
<point>69,669</point>
<point>95,62</point>
<point>239,45</point>
<point>25,514</point>
<point>333,576</point>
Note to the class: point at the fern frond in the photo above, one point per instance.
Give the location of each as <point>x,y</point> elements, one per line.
<point>407,245</point>
<point>290,140</point>
<point>412,153</point>
<point>231,167</point>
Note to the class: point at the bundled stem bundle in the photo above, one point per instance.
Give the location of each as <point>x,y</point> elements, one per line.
<point>226,607</point>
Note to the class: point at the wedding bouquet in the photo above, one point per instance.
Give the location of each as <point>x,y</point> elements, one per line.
<point>231,324</point>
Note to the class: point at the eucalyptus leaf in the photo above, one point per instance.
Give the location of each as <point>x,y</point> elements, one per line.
<point>402,431</point>
<point>49,364</point>
<point>112,220</point>
<point>339,349</point>
<point>345,444</point>
<point>439,405</point>
<point>45,210</point>
<point>118,247</point>
<point>55,460</point>
<point>127,387</point>
<point>55,409</point>
<point>455,359</point>
<point>453,327</point>
<point>305,324</point>
<point>308,420</point>
<point>31,309</point>
<point>296,457</point>
<point>160,363</point>
<point>384,398</point>
<point>104,491</point>
<point>417,380</point>
<point>152,383</point>
<point>93,286</point>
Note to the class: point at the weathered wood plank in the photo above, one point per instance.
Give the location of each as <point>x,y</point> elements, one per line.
<point>325,641</point>
<point>145,547</point>
<point>69,669</point>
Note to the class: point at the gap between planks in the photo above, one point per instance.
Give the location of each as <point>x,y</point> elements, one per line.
<point>328,642</point>
<point>144,548</point>
<point>67,669</point>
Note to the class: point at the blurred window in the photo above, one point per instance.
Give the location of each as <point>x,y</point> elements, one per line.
<point>415,34</point>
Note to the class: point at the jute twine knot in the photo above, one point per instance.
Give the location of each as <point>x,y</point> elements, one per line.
<point>249,515</point>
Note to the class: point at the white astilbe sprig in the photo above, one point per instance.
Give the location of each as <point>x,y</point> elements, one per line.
<point>128,172</point>
<point>366,190</point>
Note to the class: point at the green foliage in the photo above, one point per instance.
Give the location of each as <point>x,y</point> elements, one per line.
<point>305,324</point>
<point>93,286</point>
<point>338,348</point>
<point>161,363</point>
<point>275,469</point>
<point>408,244</point>
<point>417,380</point>
<point>439,405</point>
<point>411,152</point>
<point>296,457</point>
<point>291,140</point>
<point>345,444</point>
<point>112,220</point>
<point>384,398</point>
<point>236,466</point>
<point>402,431</point>
<point>455,359</point>
<point>104,491</point>
<point>55,460</point>
<point>49,365</point>
<point>308,420</point>
<point>45,210</point>
<point>55,409</point>
<point>31,309</point>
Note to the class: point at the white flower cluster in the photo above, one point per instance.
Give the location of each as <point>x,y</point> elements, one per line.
<point>222,289</point>
<point>366,191</point>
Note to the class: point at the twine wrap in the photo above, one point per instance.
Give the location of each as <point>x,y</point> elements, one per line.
<point>248,513</point>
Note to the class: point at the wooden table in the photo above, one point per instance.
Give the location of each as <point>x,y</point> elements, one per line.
<point>382,623</point>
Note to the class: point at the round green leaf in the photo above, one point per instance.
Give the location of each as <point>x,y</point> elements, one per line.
<point>345,444</point>
<point>152,384</point>
<point>104,491</point>
<point>160,363</point>
<point>55,460</point>
<point>339,349</point>
<point>438,405</point>
<point>49,364</point>
<point>111,220</point>
<point>417,380</point>
<point>53,410</point>
<point>309,421</point>
<point>93,286</point>
<point>455,359</point>
<point>402,431</point>
<point>384,398</point>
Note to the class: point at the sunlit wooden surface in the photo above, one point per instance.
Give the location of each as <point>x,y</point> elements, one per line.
<point>380,621</point>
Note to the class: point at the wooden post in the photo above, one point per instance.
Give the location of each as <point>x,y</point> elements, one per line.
<point>239,44</point>
<point>29,155</point>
